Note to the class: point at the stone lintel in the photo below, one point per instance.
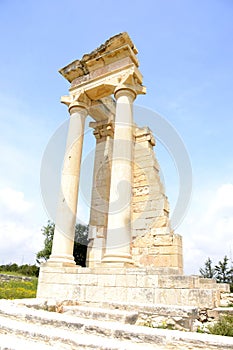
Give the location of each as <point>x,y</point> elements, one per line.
<point>105,70</point>
<point>111,50</point>
<point>105,83</point>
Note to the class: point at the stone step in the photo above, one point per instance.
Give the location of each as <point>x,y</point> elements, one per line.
<point>103,314</point>
<point>220,311</point>
<point>23,335</point>
<point>183,316</point>
<point>9,342</point>
<point>56,330</point>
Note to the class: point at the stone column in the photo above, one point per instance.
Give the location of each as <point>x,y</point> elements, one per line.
<point>119,214</point>
<point>63,241</point>
<point>103,132</point>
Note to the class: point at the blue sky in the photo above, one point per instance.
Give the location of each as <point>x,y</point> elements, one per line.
<point>186,54</point>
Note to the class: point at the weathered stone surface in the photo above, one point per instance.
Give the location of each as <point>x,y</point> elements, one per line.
<point>142,285</point>
<point>69,332</point>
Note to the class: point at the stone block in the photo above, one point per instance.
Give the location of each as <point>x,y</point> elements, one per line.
<point>161,221</point>
<point>141,191</point>
<point>139,224</point>
<point>126,280</point>
<point>140,206</point>
<point>147,281</point>
<point>168,261</point>
<point>205,283</point>
<point>223,287</point>
<point>175,282</point>
<point>53,277</point>
<point>114,294</point>
<point>142,198</point>
<point>140,295</point>
<point>94,294</point>
<point>192,297</point>
<point>87,279</point>
<point>147,214</point>
<point>166,250</point>
<point>107,280</point>
<point>147,163</point>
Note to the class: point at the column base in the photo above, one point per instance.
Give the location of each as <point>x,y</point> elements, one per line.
<point>117,259</point>
<point>56,260</point>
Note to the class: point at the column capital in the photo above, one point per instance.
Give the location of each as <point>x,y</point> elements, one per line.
<point>77,106</point>
<point>129,85</point>
<point>125,90</point>
<point>102,129</point>
<point>78,101</point>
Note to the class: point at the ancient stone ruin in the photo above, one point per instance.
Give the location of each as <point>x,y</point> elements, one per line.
<point>133,254</point>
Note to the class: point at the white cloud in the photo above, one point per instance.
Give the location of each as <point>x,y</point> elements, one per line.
<point>222,203</point>
<point>20,238</point>
<point>208,228</point>
<point>13,201</point>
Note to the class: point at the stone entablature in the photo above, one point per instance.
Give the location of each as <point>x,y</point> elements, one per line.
<point>113,50</point>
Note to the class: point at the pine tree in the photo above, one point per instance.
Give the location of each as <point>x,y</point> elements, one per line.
<point>208,271</point>
<point>223,272</point>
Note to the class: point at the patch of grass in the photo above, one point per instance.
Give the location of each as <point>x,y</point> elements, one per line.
<point>18,289</point>
<point>223,327</point>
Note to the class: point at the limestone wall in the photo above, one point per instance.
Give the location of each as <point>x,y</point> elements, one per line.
<point>154,243</point>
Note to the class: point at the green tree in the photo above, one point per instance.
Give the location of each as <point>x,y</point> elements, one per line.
<point>208,271</point>
<point>224,274</point>
<point>80,244</point>
<point>48,232</point>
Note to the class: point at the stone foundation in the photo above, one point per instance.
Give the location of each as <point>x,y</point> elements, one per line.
<point>138,285</point>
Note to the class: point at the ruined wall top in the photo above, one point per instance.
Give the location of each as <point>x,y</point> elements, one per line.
<point>117,47</point>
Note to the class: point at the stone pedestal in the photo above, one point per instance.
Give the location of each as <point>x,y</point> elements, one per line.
<point>131,285</point>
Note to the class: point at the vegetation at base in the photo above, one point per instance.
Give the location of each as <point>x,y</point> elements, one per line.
<point>222,273</point>
<point>24,270</point>
<point>200,330</point>
<point>18,289</point>
<point>223,327</point>
<point>80,243</point>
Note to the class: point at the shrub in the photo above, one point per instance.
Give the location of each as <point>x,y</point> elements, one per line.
<point>223,327</point>
<point>25,270</point>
